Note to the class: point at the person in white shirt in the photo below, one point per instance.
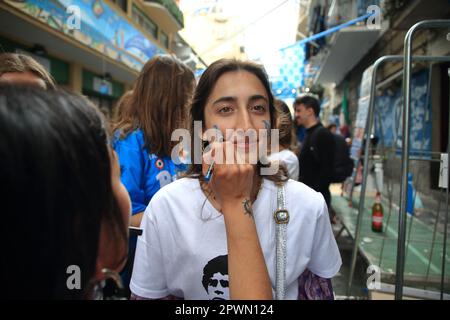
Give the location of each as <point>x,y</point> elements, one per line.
<point>287,144</point>
<point>216,239</point>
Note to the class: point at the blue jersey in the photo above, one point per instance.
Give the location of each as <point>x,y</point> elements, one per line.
<point>142,173</point>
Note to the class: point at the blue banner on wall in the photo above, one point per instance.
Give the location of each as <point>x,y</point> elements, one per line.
<point>287,73</point>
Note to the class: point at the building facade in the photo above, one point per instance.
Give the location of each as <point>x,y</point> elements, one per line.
<point>338,61</point>
<point>95,47</point>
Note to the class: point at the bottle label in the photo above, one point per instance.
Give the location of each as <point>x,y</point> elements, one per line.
<point>377,220</point>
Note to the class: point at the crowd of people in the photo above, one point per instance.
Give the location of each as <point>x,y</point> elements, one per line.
<point>73,183</point>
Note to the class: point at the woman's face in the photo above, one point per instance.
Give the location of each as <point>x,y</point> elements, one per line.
<point>237,101</point>
<point>26,78</point>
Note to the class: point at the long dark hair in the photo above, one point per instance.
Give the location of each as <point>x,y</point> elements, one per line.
<point>158,103</point>
<point>203,90</point>
<point>55,192</point>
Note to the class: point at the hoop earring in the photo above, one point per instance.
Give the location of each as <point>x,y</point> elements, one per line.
<point>205,143</point>
<point>111,287</point>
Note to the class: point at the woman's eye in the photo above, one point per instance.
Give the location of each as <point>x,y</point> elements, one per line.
<point>258,108</point>
<point>225,110</point>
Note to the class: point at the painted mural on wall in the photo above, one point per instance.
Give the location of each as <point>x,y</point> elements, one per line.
<point>388,115</point>
<point>101,28</point>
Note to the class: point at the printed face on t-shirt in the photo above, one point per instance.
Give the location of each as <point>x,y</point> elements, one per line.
<point>218,286</point>
<point>215,278</point>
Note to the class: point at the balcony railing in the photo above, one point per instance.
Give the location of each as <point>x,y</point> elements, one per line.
<point>172,7</point>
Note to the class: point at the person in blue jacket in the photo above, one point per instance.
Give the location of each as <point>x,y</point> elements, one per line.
<point>143,173</point>
<point>147,116</point>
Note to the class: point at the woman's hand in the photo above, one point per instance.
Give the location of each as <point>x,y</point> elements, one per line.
<point>231,182</point>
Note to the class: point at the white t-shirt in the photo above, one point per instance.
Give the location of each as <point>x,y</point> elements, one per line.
<point>183,249</point>
<point>290,160</point>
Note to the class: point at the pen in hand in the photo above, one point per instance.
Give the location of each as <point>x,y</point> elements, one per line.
<point>209,172</point>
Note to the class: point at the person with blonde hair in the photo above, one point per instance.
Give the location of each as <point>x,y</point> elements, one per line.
<point>20,69</point>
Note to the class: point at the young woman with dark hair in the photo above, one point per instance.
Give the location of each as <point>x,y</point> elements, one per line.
<point>193,221</point>
<point>65,224</point>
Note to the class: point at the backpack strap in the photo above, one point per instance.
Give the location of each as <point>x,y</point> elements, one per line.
<point>281,217</point>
